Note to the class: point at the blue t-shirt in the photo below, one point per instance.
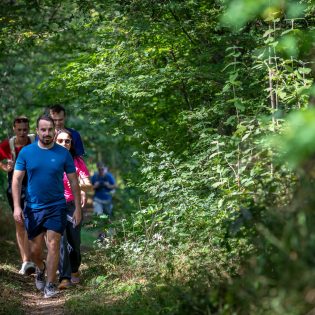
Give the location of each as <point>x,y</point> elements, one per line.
<point>44,168</point>
<point>77,142</point>
<point>103,192</point>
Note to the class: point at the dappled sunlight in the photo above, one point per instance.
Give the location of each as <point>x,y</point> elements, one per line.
<point>203,112</point>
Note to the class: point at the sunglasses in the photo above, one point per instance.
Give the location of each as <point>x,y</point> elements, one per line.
<point>66,141</point>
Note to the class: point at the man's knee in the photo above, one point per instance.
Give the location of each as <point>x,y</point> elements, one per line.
<point>35,249</point>
<point>53,241</point>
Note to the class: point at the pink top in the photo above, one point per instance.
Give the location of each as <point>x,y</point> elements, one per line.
<point>81,170</point>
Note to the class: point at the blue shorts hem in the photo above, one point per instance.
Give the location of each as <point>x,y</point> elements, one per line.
<point>52,218</point>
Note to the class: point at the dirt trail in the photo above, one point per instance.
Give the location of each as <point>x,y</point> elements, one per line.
<point>22,288</point>
<point>33,302</point>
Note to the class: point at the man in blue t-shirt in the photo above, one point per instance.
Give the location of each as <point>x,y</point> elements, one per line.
<point>58,114</point>
<point>44,215</point>
<point>104,184</point>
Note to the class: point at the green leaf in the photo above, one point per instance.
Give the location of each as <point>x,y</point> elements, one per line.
<point>304,70</point>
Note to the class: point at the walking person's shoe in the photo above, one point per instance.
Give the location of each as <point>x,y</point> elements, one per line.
<point>50,290</point>
<point>64,284</point>
<point>75,277</point>
<point>40,280</point>
<point>27,268</point>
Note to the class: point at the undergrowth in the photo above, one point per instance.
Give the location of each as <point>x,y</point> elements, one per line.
<point>10,286</point>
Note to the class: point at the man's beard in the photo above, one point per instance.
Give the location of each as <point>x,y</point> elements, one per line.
<point>47,140</point>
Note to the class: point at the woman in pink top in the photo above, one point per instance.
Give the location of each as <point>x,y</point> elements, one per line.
<point>70,254</point>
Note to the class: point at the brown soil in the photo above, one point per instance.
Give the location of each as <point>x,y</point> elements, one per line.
<point>33,302</point>
<point>22,290</point>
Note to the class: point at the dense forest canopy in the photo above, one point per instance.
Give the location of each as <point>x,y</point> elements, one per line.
<point>203,108</point>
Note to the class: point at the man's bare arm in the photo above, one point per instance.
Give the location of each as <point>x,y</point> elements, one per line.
<point>16,195</point>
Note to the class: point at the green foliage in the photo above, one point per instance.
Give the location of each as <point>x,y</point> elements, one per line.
<point>180,106</point>
<point>296,144</point>
<point>10,302</point>
<point>10,286</point>
<point>239,12</point>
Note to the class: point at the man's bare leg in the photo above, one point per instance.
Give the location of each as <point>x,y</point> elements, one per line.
<point>53,246</point>
<point>22,241</point>
<point>36,248</point>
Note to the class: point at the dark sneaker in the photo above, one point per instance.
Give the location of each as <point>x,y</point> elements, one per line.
<point>40,281</point>
<point>50,290</point>
<point>27,268</point>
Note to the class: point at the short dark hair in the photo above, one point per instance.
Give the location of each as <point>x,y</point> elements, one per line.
<point>20,119</point>
<point>57,108</point>
<point>45,117</point>
<point>100,164</point>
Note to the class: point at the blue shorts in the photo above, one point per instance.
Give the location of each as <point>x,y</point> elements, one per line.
<point>52,218</point>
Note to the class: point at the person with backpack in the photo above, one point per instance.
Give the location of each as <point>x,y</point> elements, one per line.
<point>104,185</point>
<point>9,150</point>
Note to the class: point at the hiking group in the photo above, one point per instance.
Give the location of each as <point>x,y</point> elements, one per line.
<point>47,185</point>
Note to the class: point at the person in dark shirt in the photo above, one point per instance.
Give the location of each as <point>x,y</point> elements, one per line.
<point>58,114</point>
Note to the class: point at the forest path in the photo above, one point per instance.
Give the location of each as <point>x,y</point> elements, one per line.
<point>34,303</point>
<point>20,289</point>
<point>23,287</point>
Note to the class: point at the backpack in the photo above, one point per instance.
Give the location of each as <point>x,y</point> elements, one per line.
<point>12,148</point>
